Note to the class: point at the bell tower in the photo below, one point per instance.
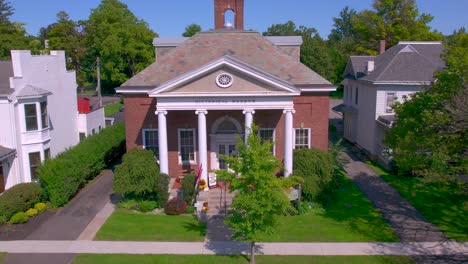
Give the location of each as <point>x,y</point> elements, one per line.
<point>236,6</point>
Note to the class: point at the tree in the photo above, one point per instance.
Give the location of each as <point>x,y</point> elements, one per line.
<point>12,34</point>
<point>259,197</point>
<point>429,138</point>
<point>191,30</point>
<point>123,42</point>
<point>314,51</point>
<point>65,35</point>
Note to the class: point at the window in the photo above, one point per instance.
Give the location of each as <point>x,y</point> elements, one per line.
<point>390,100</point>
<point>93,131</point>
<point>356,98</point>
<point>99,128</point>
<point>44,119</point>
<point>302,138</point>
<point>47,154</point>
<point>150,141</point>
<point>34,161</point>
<point>2,181</point>
<point>82,136</point>
<point>187,145</point>
<point>31,117</point>
<point>267,134</point>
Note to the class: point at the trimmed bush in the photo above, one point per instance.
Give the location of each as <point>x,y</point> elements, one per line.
<point>175,206</point>
<point>190,209</point>
<point>147,206</point>
<point>40,207</point>
<point>19,198</point>
<point>138,177</point>
<point>64,175</point>
<point>318,170</point>
<point>188,187</point>
<point>32,212</point>
<point>19,218</point>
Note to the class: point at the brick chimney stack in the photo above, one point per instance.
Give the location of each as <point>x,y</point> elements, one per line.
<point>383,44</point>
<point>236,6</point>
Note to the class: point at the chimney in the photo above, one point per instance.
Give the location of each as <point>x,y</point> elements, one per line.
<point>370,66</point>
<point>236,6</point>
<point>383,43</point>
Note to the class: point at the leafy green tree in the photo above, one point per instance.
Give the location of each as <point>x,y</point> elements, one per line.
<point>429,137</point>
<point>12,34</point>
<point>191,30</point>
<point>65,35</point>
<point>120,39</point>
<point>259,197</point>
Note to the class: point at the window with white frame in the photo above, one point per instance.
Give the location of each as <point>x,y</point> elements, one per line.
<point>30,114</point>
<point>187,145</point>
<point>267,134</point>
<point>151,141</point>
<point>302,138</point>
<point>390,100</point>
<point>44,118</point>
<point>34,162</point>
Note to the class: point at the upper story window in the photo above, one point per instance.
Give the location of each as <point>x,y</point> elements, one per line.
<point>44,119</point>
<point>187,145</point>
<point>390,100</point>
<point>150,141</point>
<point>30,114</point>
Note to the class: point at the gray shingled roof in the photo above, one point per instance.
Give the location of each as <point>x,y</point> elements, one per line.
<point>404,62</point>
<point>32,91</point>
<point>5,152</point>
<point>248,47</point>
<point>6,71</point>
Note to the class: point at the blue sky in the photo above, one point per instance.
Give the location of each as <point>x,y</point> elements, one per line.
<point>169,18</point>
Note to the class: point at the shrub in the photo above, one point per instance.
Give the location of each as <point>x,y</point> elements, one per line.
<point>318,170</point>
<point>138,176</point>
<point>40,207</point>
<point>175,206</point>
<point>128,203</point>
<point>188,187</point>
<point>64,175</point>
<point>147,206</point>
<point>19,198</point>
<point>19,218</point>
<point>32,212</point>
<point>190,209</point>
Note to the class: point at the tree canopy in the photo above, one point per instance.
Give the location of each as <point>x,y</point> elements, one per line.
<point>12,34</point>
<point>191,30</point>
<point>429,137</point>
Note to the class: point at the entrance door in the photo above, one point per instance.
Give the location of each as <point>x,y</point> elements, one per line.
<point>225,149</point>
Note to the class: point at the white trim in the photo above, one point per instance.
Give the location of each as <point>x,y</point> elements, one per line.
<point>318,89</point>
<point>217,122</point>
<point>194,161</point>
<point>224,94</point>
<point>309,135</point>
<point>143,138</point>
<point>419,42</point>
<point>128,90</point>
<point>273,137</point>
<point>224,61</point>
<point>399,82</point>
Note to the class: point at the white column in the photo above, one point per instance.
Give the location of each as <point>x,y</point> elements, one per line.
<point>248,121</point>
<point>202,144</point>
<point>162,141</point>
<point>288,142</point>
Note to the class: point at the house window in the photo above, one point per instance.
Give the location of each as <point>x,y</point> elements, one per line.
<point>44,119</point>
<point>82,136</point>
<point>30,114</point>
<point>47,154</point>
<point>302,138</point>
<point>187,145</point>
<point>93,131</point>
<point>356,96</point>
<point>34,161</point>
<point>390,100</point>
<point>150,141</point>
<point>99,128</point>
<point>267,134</point>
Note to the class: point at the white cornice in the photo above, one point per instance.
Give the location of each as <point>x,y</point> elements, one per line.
<point>318,89</point>
<point>130,90</point>
<point>223,94</point>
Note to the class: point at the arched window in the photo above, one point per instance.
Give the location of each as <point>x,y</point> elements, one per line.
<point>226,125</point>
<point>229,19</point>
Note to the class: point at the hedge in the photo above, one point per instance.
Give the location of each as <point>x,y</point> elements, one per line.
<point>19,198</point>
<point>317,167</point>
<point>64,175</point>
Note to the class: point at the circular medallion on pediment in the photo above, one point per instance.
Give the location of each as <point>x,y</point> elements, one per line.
<point>224,80</point>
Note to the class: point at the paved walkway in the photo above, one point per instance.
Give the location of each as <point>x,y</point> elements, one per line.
<point>70,222</point>
<point>128,247</point>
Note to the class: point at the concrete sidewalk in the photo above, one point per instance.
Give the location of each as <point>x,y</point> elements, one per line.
<point>225,247</point>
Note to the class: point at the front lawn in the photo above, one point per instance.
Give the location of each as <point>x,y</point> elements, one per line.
<point>2,256</point>
<point>443,205</point>
<point>131,226</point>
<point>202,259</point>
<point>348,217</point>
<point>113,108</point>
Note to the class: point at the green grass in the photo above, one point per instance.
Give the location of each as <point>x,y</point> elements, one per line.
<point>131,226</point>
<point>202,259</point>
<point>2,256</point>
<point>336,222</point>
<point>444,205</point>
<point>111,109</point>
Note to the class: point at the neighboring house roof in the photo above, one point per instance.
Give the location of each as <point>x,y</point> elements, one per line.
<point>31,91</point>
<point>6,71</point>
<point>5,152</point>
<point>246,46</point>
<point>407,62</point>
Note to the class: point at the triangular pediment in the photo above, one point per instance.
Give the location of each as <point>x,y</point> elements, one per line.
<point>244,80</point>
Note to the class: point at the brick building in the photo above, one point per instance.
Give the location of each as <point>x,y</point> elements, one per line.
<point>204,92</point>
